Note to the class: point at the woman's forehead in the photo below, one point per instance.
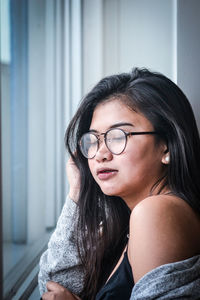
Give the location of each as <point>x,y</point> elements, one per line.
<point>114,111</point>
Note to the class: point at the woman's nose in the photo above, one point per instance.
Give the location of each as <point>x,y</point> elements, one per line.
<point>103,153</point>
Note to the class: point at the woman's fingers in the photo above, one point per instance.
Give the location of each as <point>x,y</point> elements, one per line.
<point>73,175</point>
<point>48,296</point>
<point>54,286</point>
<point>55,291</point>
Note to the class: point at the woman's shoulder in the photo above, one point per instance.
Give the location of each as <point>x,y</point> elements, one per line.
<point>161,207</point>
<point>163,229</point>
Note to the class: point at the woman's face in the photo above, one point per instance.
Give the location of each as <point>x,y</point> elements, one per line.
<point>131,174</point>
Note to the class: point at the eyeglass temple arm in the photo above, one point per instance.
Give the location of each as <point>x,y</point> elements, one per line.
<point>142,132</point>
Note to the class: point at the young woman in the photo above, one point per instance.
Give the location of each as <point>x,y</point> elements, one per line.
<point>135,148</point>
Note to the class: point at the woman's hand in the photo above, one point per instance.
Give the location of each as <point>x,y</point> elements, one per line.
<point>74,179</point>
<point>57,292</point>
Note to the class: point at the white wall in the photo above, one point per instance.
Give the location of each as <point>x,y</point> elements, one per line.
<point>188,71</point>
<point>92,39</point>
<point>121,34</point>
<point>157,34</point>
<point>139,33</point>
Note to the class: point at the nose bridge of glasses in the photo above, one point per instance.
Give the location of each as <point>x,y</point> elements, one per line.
<point>101,138</point>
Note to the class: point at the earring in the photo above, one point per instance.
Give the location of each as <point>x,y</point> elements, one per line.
<point>167,159</point>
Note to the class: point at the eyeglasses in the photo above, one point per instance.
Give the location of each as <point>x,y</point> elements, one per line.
<point>115,140</point>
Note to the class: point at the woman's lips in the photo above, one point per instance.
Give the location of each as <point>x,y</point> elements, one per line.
<point>105,174</point>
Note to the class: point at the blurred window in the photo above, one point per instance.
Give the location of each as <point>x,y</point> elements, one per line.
<point>38,66</point>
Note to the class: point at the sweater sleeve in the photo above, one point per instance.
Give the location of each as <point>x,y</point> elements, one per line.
<point>60,262</point>
<point>179,280</point>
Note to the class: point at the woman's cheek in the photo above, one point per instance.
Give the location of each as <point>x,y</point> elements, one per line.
<point>91,168</point>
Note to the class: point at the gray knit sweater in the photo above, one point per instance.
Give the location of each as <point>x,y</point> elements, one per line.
<point>60,263</point>
<point>179,280</point>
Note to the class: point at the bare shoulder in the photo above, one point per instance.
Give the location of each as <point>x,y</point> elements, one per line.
<point>163,229</point>
<point>163,207</point>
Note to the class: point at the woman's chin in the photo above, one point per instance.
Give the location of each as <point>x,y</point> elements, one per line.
<point>109,192</point>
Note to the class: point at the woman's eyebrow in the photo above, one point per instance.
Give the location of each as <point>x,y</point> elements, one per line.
<point>92,130</point>
<point>121,124</point>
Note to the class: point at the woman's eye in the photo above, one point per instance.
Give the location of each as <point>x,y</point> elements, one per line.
<point>94,143</point>
<point>115,139</point>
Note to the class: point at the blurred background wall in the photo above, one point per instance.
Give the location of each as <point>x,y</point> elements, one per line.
<point>160,35</point>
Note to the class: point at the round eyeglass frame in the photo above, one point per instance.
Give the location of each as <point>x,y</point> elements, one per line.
<point>126,135</point>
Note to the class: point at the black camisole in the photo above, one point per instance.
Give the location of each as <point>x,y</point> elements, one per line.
<point>120,284</point>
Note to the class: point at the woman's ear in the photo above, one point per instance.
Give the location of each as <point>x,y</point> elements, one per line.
<point>166,156</point>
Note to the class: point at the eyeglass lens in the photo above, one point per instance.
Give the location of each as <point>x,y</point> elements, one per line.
<point>115,140</point>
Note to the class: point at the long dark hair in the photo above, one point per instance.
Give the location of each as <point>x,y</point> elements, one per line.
<point>167,108</point>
